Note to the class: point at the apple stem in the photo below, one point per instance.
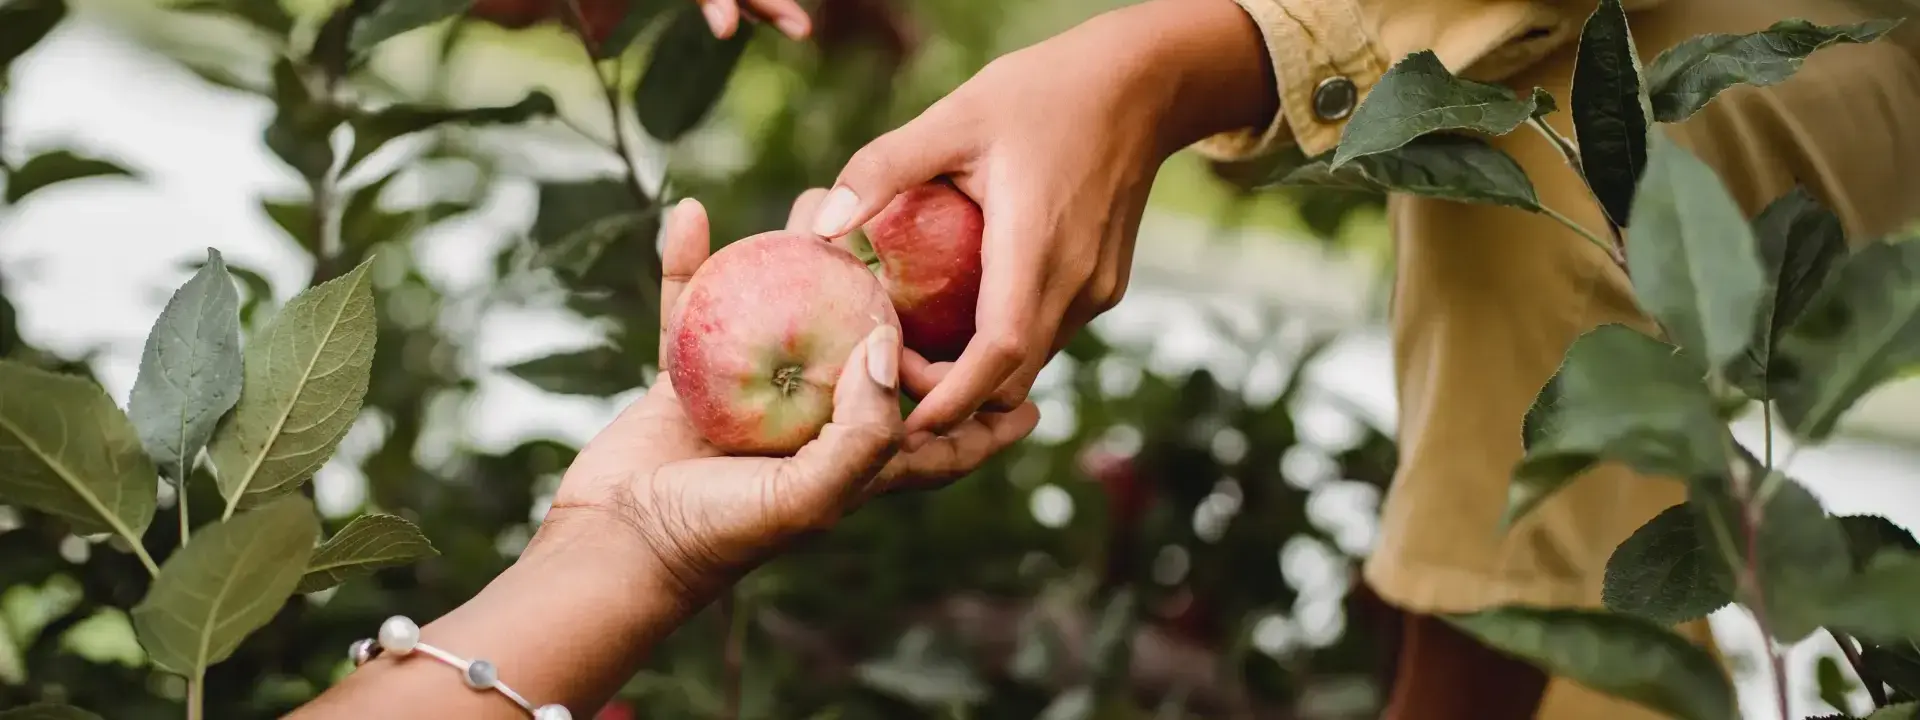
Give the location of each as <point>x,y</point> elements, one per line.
<point>787,379</point>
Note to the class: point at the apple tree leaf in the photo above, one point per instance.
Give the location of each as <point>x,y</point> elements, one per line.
<point>52,168</point>
<point>1444,166</point>
<point>1687,76</point>
<point>1861,330</point>
<point>306,374</point>
<point>66,449</point>
<point>1665,573</point>
<point>1417,96</point>
<point>686,74</point>
<point>228,582</point>
<point>1627,657</point>
<point>1623,396</point>
<point>1800,243</point>
<point>391,18</point>
<point>1611,112</point>
<point>23,24</point>
<point>190,370</point>
<point>366,544</point>
<point>1691,256</point>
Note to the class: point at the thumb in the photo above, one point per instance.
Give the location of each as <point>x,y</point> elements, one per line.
<point>911,154</point>
<point>866,429</point>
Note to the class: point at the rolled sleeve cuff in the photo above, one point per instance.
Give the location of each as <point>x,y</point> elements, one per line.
<point>1312,43</point>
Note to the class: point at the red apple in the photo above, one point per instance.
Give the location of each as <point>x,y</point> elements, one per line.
<point>762,332</point>
<point>925,246</point>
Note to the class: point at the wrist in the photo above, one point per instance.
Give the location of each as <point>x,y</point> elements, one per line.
<point>606,561</point>
<point>1211,61</point>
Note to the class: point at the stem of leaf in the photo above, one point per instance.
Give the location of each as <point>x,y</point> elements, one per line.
<point>1560,142</point>
<point>1874,690</point>
<point>1612,250</point>
<point>180,491</point>
<point>1752,514</point>
<point>196,694</point>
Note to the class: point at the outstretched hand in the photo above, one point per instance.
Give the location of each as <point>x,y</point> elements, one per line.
<point>709,517</point>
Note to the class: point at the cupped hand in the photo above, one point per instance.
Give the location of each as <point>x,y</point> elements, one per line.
<point>1059,144</point>
<point>708,517</point>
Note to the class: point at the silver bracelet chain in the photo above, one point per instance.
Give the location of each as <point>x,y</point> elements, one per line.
<point>400,636</point>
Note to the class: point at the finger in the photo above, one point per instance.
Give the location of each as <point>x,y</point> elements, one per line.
<point>800,218</point>
<point>946,458</point>
<point>911,154</point>
<point>723,16</point>
<point>786,15</point>
<point>687,245</point>
<point>863,435</point>
<point>919,377</point>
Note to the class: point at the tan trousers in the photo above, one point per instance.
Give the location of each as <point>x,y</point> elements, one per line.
<point>1487,300</point>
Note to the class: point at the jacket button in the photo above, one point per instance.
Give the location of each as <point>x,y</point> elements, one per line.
<point>1334,99</point>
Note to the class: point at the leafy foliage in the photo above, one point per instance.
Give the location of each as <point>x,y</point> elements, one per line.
<point>1688,76</point>
<point>1611,112</point>
<point>53,168</point>
<point>1664,572</point>
<point>1624,656</point>
<point>190,370</point>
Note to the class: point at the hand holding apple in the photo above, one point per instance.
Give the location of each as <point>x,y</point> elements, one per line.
<point>925,246</point>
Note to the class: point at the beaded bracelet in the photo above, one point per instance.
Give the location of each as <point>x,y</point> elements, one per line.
<point>400,636</point>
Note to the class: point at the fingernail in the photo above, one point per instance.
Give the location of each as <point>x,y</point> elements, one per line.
<point>681,211</point>
<point>883,356</point>
<point>794,27</point>
<point>835,212</point>
<point>716,17</point>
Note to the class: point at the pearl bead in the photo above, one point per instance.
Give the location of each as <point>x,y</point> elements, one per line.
<point>552,712</point>
<point>361,651</point>
<point>398,635</point>
<point>481,675</point>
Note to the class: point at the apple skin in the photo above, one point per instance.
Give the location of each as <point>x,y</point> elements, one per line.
<point>925,246</point>
<point>763,329</point>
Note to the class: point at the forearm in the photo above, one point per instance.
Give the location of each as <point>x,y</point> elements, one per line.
<point>567,623</point>
<point>1211,61</point>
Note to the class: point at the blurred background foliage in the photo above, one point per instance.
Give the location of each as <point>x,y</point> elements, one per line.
<point>1176,542</point>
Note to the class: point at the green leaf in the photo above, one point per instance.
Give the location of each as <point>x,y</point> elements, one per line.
<point>1870,535</point>
<point>47,711</point>
<point>1897,711</point>
<point>566,207</point>
<point>1417,96</point>
<point>1799,551</point>
<point>302,127</point>
<point>640,14</point>
<point>1664,573</point>
<point>598,371</point>
<point>372,130</point>
<point>66,449</point>
<point>228,582</point>
<point>366,544</point>
<point>1878,603</point>
<point>1620,655</point>
<point>1074,703</point>
<point>1691,256</point>
<point>1896,664</point>
<point>53,168</point>
<point>1799,242</point>
<point>1621,396</point>
<point>1688,75</point>
<point>575,254</point>
<point>1444,166</point>
<point>295,217</point>
<point>190,370</point>
<point>686,74</point>
<point>1834,683</point>
<point>305,378</point>
<point>23,24</point>
<point>1863,329</point>
<point>1611,113</point>
<point>393,17</point>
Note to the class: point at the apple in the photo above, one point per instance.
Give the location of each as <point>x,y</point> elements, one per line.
<point>762,332</point>
<point>925,246</point>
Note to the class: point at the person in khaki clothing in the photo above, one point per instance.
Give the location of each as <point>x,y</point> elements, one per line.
<point>1059,143</point>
